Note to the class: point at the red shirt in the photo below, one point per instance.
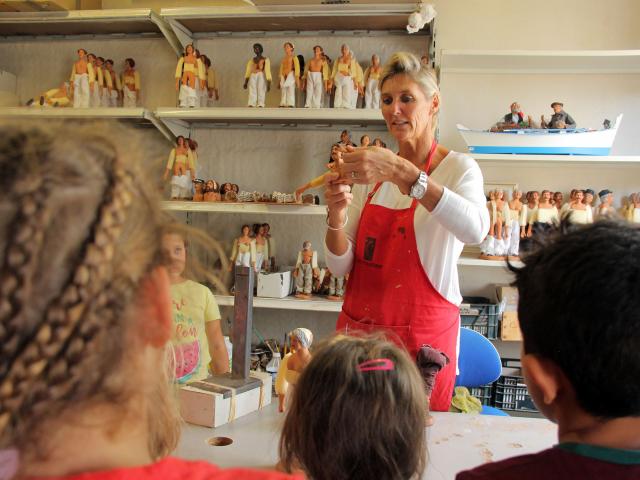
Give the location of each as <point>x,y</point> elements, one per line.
<point>177,469</point>
<point>564,462</point>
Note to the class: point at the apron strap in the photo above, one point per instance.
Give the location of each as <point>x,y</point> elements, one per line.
<point>427,165</point>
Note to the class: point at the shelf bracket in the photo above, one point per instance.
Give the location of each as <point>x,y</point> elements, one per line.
<point>184,35</point>
<point>177,127</point>
<point>162,128</point>
<point>168,33</point>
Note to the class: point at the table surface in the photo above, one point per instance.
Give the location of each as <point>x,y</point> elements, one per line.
<point>456,441</point>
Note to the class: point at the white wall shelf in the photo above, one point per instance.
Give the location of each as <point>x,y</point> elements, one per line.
<point>86,22</point>
<point>135,115</point>
<point>190,23</point>
<point>315,304</point>
<point>558,159</point>
<point>246,207</point>
<point>540,61</point>
<point>180,120</point>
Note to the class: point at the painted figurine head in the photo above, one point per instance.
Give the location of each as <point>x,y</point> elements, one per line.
<point>180,141</point>
<point>198,186</point>
<point>557,107</point>
<point>606,197</point>
<point>99,61</point>
<point>267,227</point>
<point>546,195</point>
<point>129,63</point>
<point>109,64</point>
<point>345,137</point>
<point>193,145</point>
<point>515,108</point>
<point>257,49</point>
<point>301,338</point>
<point>558,197</point>
<point>579,196</point>
<point>258,230</point>
<point>377,142</point>
<point>499,194</point>
<point>365,141</point>
<point>318,52</point>
<point>375,60</point>
<point>245,229</point>
<point>306,245</point>
<point>226,187</point>
<point>91,58</point>
<point>516,194</point>
<point>588,196</point>
<point>82,53</point>
<point>345,50</point>
<point>535,196</point>
<point>189,49</point>
<point>288,48</point>
<point>235,188</point>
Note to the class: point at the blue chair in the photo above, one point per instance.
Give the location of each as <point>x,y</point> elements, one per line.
<point>479,364</point>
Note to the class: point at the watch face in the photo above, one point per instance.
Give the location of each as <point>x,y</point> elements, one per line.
<point>418,191</point>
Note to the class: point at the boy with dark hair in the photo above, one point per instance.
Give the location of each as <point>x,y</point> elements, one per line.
<point>581,355</point>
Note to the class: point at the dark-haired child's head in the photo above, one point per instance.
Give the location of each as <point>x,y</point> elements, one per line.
<point>579,311</point>
<point>358,412</point>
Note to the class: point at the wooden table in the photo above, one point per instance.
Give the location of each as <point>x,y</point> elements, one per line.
<point>456,442</point>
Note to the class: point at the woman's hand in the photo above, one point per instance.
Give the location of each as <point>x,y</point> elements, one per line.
<point>369,165</point>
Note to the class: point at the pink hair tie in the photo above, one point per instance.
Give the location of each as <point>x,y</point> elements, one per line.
<point>376,364</point>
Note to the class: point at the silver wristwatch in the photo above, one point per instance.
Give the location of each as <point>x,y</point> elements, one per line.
<point>419,188</point>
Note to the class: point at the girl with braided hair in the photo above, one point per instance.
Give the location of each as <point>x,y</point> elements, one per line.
<point>85,313</point>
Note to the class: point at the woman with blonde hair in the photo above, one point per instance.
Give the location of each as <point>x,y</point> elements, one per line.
<point>401,230</point>
<point>85,311</point>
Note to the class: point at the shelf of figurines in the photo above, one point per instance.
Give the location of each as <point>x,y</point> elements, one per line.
<point>246,207</point>
<point>540,61</point>
<point>500,159</point>
<point>313,303</point>
<point>79,113</point>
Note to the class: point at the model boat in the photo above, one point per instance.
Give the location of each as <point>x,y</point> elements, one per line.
<point>575,141</point>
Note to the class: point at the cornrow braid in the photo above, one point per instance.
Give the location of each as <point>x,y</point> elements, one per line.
<point>58,343</point>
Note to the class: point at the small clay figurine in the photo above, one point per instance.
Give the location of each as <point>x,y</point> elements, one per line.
<point>81,79</point>
<point>289,76</point>
<point>532,209</point>
<point>377,142</point>
<point>336,286</point>
<point>292,366</point>
<point>271,242</point>
<point>95,86</point>
<point>201,81</point>
<point>516,223</point>
<point>316,78</point>
<point>181,168</point>
<point>546,213</point>
<point>371,79</point>
<point>499,214</point>
<point>514,119</point>
<point>579,212</point>
<point>187,75</point>
<point>306,270</point>
<point>55,97</point>
<point>211,191</point>
<point>558,199</point>
<point>343,77</point>
<point>632,212</point>
<point>257,77</point>
<point>212,83</point>
<point>359,83</point>
<point>606,203</point>
<point>589,195</point>
<point>560,119</point>
<point>100,85</point>
<point>130,84</point>
<point>111,94</point>
<point>193,150</point>
<point>243,252</point>
<point>262,246</point>
<point>198,187</point>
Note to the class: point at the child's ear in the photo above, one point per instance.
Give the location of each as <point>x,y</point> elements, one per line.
<point>544,379</point>
<point>154,316</point>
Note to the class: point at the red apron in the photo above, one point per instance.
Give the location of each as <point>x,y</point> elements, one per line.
<point>388,290</point>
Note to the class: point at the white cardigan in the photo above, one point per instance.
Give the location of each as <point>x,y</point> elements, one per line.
<point>460,217</point>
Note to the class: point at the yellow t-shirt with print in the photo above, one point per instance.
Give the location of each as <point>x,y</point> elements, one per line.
<point>193,305</point>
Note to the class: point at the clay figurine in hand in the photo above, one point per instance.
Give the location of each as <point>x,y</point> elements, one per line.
<point>289,76</point>
<point>262,246</point>
<point>606,203</point>
<point>257,77</point>
<point>579,211</point>
<point>130,84</point>
<point>316,78</point>
<point>292,366</point>
<point>516,223</point>
<point>55,97</point>
<point>198,187</point>
<point>306,270</point>
<point>560,119</point>
<point>181,168</point>
<point>243,252</point>
<point>81,79</point>
<point>186,76</point>
<point>343,77</point>
<point>632,212</point>
<point>371,79</point>
<point>211,191</point>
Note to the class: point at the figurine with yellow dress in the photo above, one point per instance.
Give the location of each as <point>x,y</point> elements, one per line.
<point>292,366</point>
